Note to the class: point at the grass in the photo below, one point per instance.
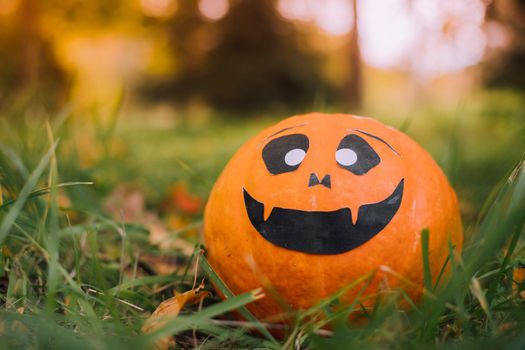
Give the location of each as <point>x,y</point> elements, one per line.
<point>74,275</point>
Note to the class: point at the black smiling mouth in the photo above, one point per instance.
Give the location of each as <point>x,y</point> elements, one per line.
<point>323,232</point>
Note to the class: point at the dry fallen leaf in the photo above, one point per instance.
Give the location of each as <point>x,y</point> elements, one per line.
<point>159,236</point>
<point>180,199</point>
<point>14,326</point>
<point>170,309</point>
<point>163,264</point>
<point>518,277</point>
<point>6,251</point>
<point>168,241</point>
<point>126,203</point>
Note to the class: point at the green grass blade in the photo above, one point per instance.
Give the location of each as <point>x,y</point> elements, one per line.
<point>182,323</point>
<point>219,283</point>
<point>45,190</point>
<point>15,159</point>
<point>504,266</point>
<point>141,281</point>
<point>427,274</point>
<point>15,210</point>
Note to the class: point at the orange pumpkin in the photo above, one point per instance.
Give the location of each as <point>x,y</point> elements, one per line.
<point>317,201</point>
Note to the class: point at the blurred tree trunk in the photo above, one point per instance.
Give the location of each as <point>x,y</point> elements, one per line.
<point>255,61</point>
<point>354,86</point>
<point>27,27</point>
<point>29,69</point>
<point>505,67</point>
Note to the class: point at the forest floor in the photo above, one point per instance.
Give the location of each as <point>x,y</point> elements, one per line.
<point>101,221</point>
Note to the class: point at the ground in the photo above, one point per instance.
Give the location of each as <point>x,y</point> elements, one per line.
<point>101,221</point>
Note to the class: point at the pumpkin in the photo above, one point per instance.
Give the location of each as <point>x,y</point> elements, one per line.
<point>317,201</point>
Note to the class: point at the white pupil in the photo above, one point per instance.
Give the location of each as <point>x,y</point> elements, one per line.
<point>345,156</point>
<point>294,157</point>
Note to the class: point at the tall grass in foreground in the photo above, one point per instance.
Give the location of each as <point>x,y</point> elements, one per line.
<point>71,278</point>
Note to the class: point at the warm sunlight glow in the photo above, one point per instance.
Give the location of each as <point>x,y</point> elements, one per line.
<point>158,8</point>
<point>428,37</point>
<point>497,35</point>
<point>7,7</point>
<point>214,9</point>
<point>102,64</point>
<point>387,32</point>
<point>333,16</point>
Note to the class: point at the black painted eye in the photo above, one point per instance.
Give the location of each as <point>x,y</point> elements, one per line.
<point>285,153</point>
<point>356,155</point>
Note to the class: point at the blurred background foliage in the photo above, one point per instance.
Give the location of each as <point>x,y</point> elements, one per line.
<point>255,56</point>
<point>168,89</point>
<point>249,60</point>
<point>145,81</point>
<point>148,100</point>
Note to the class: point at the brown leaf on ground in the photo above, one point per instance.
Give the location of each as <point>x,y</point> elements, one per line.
<point>163,264</point>
<point>6,251</point>
<point>63,200</point>
<point>518,278</point>
<point>159,235</point>
<point>181,200</point>
<point>126,203</point>
<point>167,240</point>
<point>170,309</point>
<point>15,326</point>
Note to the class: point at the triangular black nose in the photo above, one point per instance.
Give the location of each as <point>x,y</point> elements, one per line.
<point>326,182</point>
<point>314,180</point>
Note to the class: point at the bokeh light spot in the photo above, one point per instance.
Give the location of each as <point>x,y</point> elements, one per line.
<point>332,16</point>
<point>158,8</point>
<point>214,9</point>
<point>7,7</point>
<point>428,37</point>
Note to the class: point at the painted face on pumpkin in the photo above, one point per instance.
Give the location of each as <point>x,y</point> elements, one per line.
<point>318,201</point>
<point>330,231</point>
